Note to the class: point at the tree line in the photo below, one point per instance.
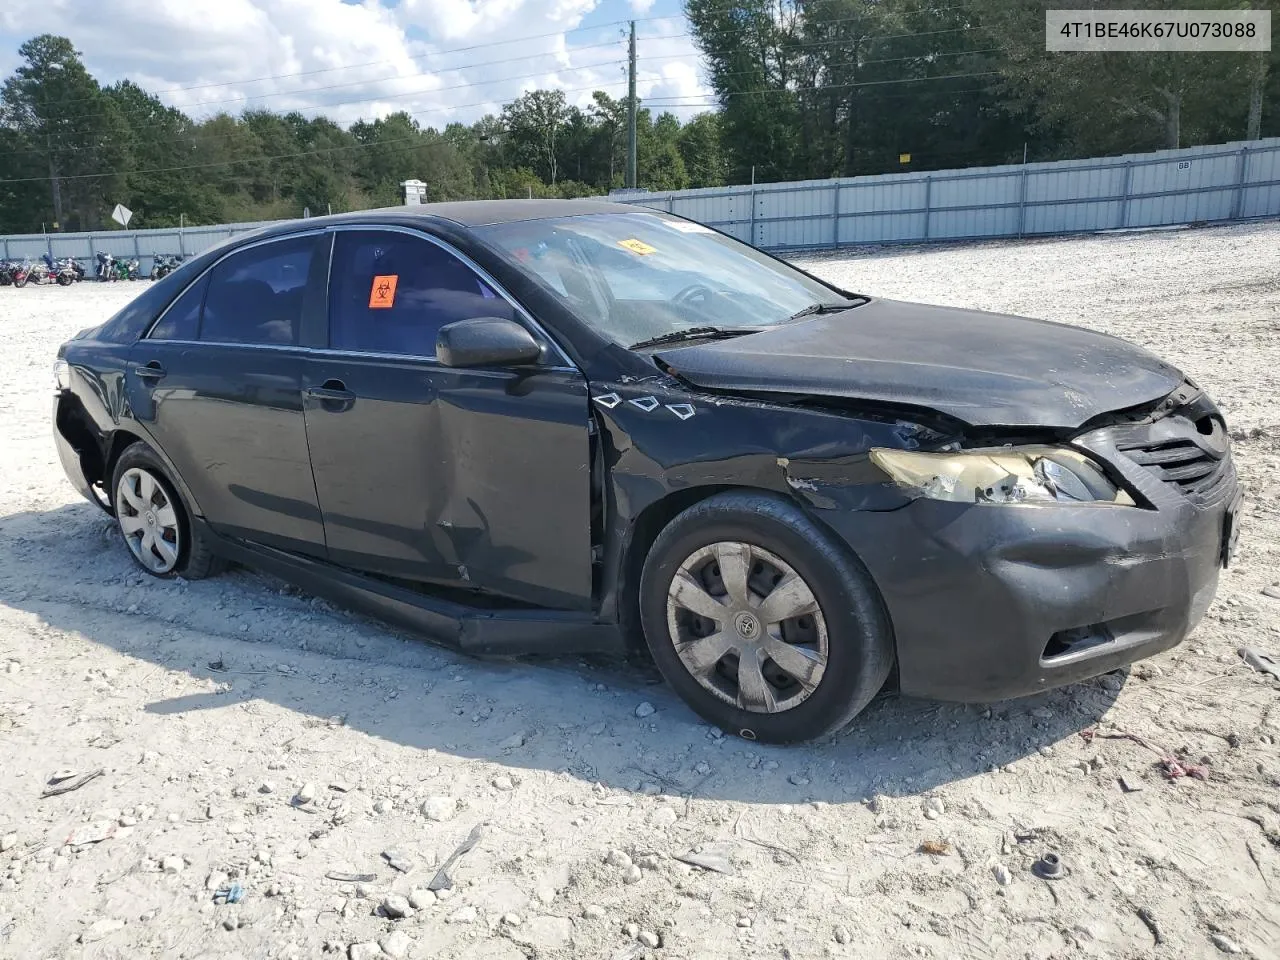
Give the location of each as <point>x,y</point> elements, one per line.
<point>802,89</point>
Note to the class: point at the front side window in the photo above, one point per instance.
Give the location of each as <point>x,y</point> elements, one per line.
<point>634,276</point>
<point>182,320</point>
<point>255,296</point>
<point>392,292</point>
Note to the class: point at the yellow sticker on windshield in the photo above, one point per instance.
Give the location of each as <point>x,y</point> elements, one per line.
<point>637,246</point>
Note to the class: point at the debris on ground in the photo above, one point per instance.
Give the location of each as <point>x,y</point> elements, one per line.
<point>442,880</point>
<point>1262,662</point>
<point>66,781</point>
<point>938,848</point>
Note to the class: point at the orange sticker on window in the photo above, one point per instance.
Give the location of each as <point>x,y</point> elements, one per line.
<point>382,295</point>
<point>637,246</point>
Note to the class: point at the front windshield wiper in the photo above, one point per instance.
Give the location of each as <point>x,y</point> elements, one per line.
<point>694,333</point>
<point>816,308</point>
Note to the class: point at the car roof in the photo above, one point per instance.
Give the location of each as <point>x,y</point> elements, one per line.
<point>476,213</point>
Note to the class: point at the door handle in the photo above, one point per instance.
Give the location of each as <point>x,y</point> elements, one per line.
<point>332,394</point>
<point>152,371</point>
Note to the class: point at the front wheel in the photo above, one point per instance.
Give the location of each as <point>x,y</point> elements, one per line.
<point>153,520</point>
<point>762,620</point>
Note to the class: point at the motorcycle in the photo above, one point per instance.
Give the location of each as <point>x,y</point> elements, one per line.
<point>127,270</point>
<point>7,269</point>
<point>66,273</point>
<point>23,272</point>
<point>73,266</point>
<point>164,264</point>
<point>106,267</point>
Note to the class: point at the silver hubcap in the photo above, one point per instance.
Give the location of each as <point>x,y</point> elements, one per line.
<point>747,627</point>
<point>147,520</point>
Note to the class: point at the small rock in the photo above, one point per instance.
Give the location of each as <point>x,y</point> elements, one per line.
<point>463,915</point>
<point>306,793</point>
<point>396,944</point>
<point>421,899</point>
<point>511,919</point>
<point>632,874</point>
<point>216,880</point>
<point>617,858</point>
<point>1002,874</point>
<point>383,805</point>
<point>267,787</point>
<point>502,783</point>
<point>101,929</point>
<point>648,861</point>
<point>646,709</point>
<point>744,922</point>
<point>1042,713</point>
<point>229,923</point>
<point>798,780</point>
<point>1273,591</point>
<point>631,930</point>
<point>1129,784</point>
<point>172,865</point>
<point>1225,944</point>
<point>397,861</point>
<point>364,951</point>
<point>933,808</point>
<point>593,911</point>
<point>664,817</point>
<point>649,938</point>
<point>8,842</point>
<point>842,935</point>
<point>439,808</point>
<point>512,742</point>
<point>396,906</point>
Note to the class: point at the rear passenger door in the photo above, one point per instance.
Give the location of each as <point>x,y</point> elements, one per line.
<point>476,478</point>
<point>218,383</point>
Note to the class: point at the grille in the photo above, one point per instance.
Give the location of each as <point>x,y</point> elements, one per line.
<point>1178,462</point>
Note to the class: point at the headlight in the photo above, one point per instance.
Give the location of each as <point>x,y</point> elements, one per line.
<point>62,374</point>
<point>1010,475</point>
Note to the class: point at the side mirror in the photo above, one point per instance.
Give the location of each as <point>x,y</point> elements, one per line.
<point>485,342</point>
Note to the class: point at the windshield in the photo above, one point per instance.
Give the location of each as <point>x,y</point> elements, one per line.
<point>639,276</point>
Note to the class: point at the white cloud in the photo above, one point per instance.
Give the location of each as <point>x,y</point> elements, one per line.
<point>641,6</point>
<point>351,61</point>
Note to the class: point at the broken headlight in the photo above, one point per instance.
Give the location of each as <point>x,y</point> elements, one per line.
<point>1008,475</point>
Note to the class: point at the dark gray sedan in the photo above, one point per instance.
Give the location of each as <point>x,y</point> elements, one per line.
<point>551,426</point>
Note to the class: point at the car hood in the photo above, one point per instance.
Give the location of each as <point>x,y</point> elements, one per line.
<point>986,369</point>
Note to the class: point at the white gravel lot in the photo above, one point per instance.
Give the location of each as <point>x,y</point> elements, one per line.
<point>208,706</point>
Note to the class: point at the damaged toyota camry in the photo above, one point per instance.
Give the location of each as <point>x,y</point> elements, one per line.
<point>566,426</point>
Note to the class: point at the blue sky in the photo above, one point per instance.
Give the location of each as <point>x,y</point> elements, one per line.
<point>441,60</point>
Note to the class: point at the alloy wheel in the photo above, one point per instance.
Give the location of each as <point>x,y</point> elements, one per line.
<point>747,627</point>
<point>148,521</point>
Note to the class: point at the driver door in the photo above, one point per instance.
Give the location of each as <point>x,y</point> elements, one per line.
<point>474,478</point>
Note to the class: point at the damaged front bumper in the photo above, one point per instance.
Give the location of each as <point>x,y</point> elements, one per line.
<point>990,601</point>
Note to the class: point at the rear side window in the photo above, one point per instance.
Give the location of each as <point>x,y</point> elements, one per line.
<point>391,293</point>
<point>255,296</point>
<point>182,320</point>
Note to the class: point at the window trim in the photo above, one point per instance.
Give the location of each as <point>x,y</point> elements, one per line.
<point>523,315</point>
<point>209,269</point>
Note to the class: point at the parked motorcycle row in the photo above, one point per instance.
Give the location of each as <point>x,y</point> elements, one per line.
<point>69,270</point>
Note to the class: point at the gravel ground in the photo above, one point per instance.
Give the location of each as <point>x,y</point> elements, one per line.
<point>248,734</point>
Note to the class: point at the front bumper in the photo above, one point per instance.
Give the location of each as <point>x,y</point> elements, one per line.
<point>993,601</point>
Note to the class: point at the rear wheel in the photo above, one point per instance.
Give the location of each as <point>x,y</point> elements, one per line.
<point>154,521</point>
<point>762,621</point>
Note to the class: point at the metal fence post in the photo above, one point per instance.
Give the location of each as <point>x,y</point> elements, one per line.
<point>1238,202</point>
<point>928,204</point>
<point>1022,200</point>
<point>1124,194</point>
<point>6,248</point>
<point>48,245</point>
<point>93,253</point>
<point>835,217</point>
<point>752,241</point>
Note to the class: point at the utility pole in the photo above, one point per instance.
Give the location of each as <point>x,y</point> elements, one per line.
<point>53,180</point>
<point>631,109</point>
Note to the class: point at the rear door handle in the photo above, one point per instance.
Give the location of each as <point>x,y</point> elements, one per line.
<point>152,371</point>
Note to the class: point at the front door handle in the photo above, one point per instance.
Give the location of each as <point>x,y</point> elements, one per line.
<point>152,371</point>
<point>332,394</point>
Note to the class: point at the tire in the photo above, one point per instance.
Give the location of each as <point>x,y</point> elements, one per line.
<point>64,280</point>
<point>20,281</point>
<point>144,475</point>
<point>842,618</point>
